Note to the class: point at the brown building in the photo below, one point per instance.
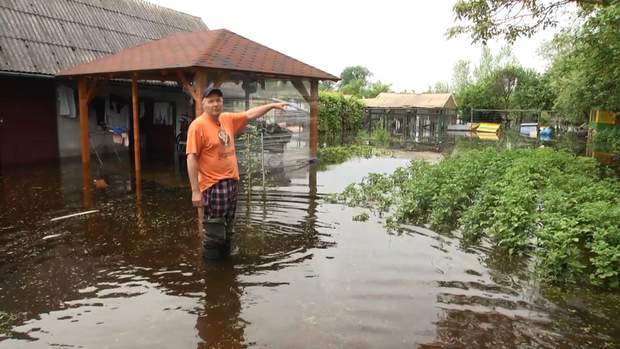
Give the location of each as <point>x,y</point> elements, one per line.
<point>39,38</point>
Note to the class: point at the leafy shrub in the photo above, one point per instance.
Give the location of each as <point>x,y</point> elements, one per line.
<point>608,140</point>
<point>564,208</point>
<point>339,154</point>
<point>339,113</point>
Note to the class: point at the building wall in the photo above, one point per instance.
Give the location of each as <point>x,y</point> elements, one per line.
<point>27,120</point>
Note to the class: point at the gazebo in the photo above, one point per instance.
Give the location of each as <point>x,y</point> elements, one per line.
<point>194,61</point>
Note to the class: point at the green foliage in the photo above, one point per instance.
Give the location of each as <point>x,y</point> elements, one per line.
<point>338,113</point>
<point>374,88</point>
<point>362,217</point>
<point>566,209</point>
<point>326,85</point>
<point>508,87</point>
<point>339,154</point>
<point>355,73</point>
<point>585,69</point>
<point>6,321</point>
<point>440,87</point>
<point>511,19</point>
<point>608,141</point>
<point>378,137</point>
<point>356,82</point>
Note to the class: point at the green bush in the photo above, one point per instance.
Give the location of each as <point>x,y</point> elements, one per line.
<point>608,141</point>
<point>339,113</point>
<point>339,154</point>
<point>564,208</point>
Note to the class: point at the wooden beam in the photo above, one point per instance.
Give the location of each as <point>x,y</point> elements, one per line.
<point>314,117</point>
<point>200,84</point>
<point>92,90</point>
<point>185,85</point>
<point>219,77</point>
<point>83,110</point>
<point>299,86</point>
<point>136,130</point>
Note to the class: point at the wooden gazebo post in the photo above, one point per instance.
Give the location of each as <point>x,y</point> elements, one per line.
<point>85,95</point>
<point>135,111</point>
<point>314,117</point>
<point>136,127</point>
<point>312,98</point>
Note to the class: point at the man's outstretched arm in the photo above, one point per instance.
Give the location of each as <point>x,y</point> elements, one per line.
<point>259,111</point>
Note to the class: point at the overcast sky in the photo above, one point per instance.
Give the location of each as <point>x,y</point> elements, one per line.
<point>401,42</point>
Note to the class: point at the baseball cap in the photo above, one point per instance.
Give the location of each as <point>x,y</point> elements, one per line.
<point>212,90</point>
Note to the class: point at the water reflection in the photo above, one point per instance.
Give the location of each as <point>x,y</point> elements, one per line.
<point>302,273</point>
<point>219,324</point>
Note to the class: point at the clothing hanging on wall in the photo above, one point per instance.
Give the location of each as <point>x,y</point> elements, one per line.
<point>65,101</point>
<point>162,113</point>
<point>117,113</point>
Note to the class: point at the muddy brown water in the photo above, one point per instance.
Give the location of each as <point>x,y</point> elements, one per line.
<point>303,274</point>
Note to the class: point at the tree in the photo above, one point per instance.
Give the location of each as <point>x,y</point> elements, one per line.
<point>326,85</point>
<point>353,87</point>
<point>440,87</point>
<point>375,88</point>
<point>355,73</point>
<point>356,82</point>
<point>506,80</point>
<point>511,19</point>
<point>461,75</point>
<point>486,64</point>
<point>585,69</point>
<point>511,87</point>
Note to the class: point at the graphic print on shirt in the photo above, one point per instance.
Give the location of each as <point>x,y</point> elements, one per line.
<point>223,136</point>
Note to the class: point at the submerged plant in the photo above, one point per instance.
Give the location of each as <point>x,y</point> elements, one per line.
<point>339,154</point>
<point>362,217</point>
<point>564,208</point>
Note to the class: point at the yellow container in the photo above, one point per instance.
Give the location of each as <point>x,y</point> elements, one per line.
<point>488,127</point>
<point>602,117</point>
<point>487,136</point>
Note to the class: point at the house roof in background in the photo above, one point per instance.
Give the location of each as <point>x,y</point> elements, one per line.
<point>411,100</point>
<point>47,36</point>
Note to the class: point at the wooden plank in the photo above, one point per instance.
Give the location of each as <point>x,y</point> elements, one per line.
<point>314,117</point>
<point>299,86</point>
<point>136,128</point>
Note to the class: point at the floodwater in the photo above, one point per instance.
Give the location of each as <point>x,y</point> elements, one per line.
<point>303,274</point>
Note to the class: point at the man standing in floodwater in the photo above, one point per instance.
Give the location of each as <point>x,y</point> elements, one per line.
<point>212,167</point>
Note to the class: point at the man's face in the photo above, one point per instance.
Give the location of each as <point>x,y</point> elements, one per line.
<point>213,105</point>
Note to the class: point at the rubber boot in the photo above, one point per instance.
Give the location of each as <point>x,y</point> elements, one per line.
<point>215,244</point>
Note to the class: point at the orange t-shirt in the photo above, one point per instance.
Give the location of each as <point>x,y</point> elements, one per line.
<point>215,146</point>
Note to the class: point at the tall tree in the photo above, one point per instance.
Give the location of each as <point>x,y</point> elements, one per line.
<point>585,69</point>
<point>486,64</point>
<point>355,73</point>
<point>511,19</point>
<point>356,82</point>
<point>440,87</point>
<point>375,88</point>
<point>461,74</point>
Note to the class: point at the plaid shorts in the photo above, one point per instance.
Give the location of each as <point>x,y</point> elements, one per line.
<point>220,200</point>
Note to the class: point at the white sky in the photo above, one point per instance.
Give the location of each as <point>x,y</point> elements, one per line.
<point>401,42</point>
